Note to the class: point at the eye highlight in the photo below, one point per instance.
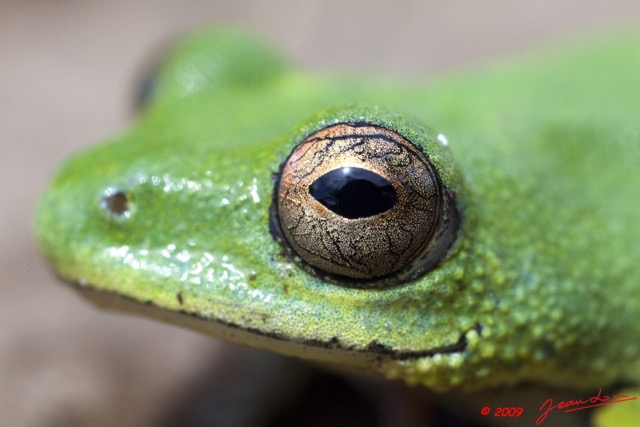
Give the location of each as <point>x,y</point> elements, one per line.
<point>362,203</point>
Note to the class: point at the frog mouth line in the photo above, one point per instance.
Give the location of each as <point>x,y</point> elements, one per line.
<point>374,347</point>
<point>457,347</point>
<point>117,301</point>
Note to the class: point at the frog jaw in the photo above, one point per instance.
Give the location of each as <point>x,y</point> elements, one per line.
<point>374,358</point>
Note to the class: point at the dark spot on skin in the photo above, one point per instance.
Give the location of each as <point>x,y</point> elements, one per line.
<point>375,347</point>
<point>116,204</point>
<point>179,297</point>
<point>333,343</point>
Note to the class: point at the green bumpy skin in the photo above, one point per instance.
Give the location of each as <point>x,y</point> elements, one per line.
<point>542,284</point>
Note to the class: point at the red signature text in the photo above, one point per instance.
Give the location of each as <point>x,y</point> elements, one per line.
<point>579,404</point>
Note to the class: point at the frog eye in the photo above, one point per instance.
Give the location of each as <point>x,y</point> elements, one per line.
<point>145,84</point>
<point>362,203</point>
<point>144,90</point>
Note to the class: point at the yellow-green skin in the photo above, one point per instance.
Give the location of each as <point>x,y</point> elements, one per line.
<point>541,286</point>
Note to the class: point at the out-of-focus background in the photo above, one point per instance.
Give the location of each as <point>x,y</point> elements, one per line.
<point>66,81</point>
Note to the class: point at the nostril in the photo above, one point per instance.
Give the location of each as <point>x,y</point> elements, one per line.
<point>116,203</point>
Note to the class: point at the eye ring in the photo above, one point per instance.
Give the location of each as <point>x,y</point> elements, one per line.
<point>407,227</point>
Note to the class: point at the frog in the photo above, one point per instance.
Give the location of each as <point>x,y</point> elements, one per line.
<point>463,233</point>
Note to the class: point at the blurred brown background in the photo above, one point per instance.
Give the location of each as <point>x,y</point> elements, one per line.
<point>66,74</point>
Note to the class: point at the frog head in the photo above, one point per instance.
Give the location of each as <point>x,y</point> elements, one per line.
<point>204,214</point>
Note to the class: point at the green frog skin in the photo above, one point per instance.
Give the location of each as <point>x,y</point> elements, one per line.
<point>538,158</point>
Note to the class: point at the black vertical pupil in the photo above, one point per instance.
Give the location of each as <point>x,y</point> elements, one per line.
<point>354,192</point>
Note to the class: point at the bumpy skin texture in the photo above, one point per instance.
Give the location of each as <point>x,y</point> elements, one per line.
<point>542,284</point>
